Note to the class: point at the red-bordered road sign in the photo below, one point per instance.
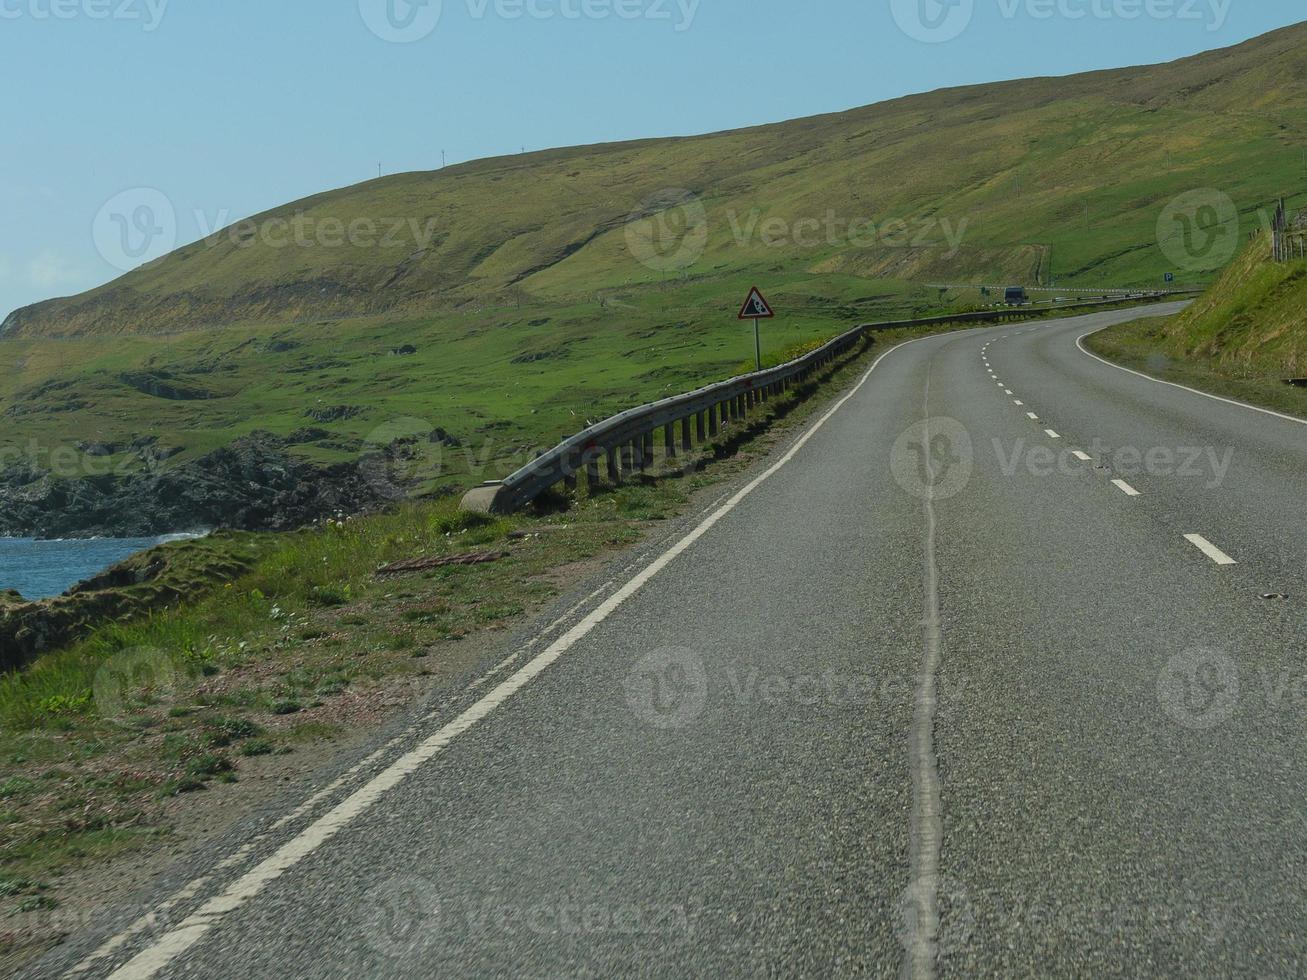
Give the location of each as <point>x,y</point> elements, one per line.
<point>756,307</point>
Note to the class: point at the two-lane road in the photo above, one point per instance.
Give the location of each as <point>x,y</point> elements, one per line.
<point>974,676</point>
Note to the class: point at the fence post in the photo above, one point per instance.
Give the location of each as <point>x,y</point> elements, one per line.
<point>686,443</point>
<point>669,440</point>
<point>701,426</point>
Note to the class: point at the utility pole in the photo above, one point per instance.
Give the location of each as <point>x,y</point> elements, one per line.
<point>442,159</point>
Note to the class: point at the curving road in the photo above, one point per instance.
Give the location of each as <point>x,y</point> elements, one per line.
<point>973,677</point>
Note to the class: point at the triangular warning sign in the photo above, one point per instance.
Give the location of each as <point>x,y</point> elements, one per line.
<point>756,307</point>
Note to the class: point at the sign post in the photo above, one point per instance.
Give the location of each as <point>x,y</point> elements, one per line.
<point>756,308</point>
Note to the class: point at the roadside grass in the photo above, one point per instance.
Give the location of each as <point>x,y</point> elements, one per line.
<point>1149,346</point>
<point>1242,339</point>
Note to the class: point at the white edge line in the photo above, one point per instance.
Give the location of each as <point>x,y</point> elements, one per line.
<point>1033,416</point>
<point>156,957</point>
<point>1051,434</point>
<point>1082,456</point>
<point>1171,384</point>
<point>1126,488</point>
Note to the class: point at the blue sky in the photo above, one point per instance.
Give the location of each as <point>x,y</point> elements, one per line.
<point>228,107</point>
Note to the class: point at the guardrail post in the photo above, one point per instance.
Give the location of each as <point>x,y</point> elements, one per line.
<point>669,440</point>
<point>592,470</point>
<point>628,457</point>
<point>701,426</point>
<point>712,421</point>
<point>646,450</point>
<point>614,468</point>
<point>571,468</point>
<point>686,442</point>
<point>749,400</point>
<point>740,410</point>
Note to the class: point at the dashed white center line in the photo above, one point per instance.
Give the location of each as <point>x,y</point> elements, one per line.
<point>1051,434</point>
<point>1033,416</point>
<point>1083,457</point>
<point>1125,488</point>
<point>1018,402</point>
<point>1007,391</point>
<point>1209,549</point>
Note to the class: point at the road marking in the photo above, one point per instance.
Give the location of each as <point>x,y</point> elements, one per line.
<point>1018,402</point>
<point>1083,457</point>
<point>1209,549</point>
<point>1051,434</point>
<point>1172,384</point>
<point>1033,416</point>
<point>1126,488</point>
<point>926,833</point>
<point>1007,391</point>
<point>176,941</point>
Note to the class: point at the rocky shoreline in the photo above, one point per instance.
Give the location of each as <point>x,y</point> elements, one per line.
<point>253,484</point>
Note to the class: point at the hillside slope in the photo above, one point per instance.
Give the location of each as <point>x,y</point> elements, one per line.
<point>1252,322</point>
<point>1030,181</point>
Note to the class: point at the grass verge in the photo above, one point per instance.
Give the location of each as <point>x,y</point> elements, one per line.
<point>1147,346</point>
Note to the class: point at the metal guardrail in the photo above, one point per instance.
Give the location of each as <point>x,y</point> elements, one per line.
<point>625,442</point>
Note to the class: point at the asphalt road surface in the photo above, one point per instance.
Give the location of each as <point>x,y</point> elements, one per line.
<point>973,677</point>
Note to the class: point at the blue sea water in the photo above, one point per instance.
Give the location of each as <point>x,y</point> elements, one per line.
<point>39,569</point>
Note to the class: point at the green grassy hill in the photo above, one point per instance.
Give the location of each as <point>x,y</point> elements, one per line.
<point>1252,322</point>
<point>1061,173</point>
<point>518,297</point>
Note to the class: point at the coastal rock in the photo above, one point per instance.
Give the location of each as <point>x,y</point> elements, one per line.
<point>252,484</point>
